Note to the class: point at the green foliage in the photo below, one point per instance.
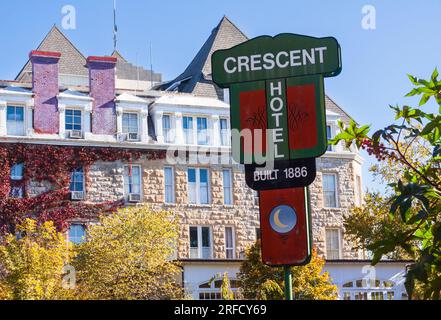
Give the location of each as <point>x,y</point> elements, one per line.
<point>127,257</point>
<point>226,292</point>
<point>31,266</point>
<point>414,146</point>
<point>263,282</point>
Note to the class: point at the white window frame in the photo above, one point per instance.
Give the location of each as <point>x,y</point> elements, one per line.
<point>192,130</point>
<point>173,195</point>
<point>81,117</point>
<point>85,232</point>
<point>140,179</point>
<point>339,242</point>
<point>207,130</point>
<point>200,242</point>
<point>337,204</point>
<point>230,172</point>
<point>138,118</point>
<point>228,132</point>
<point>331,148</point>
<point>198,186</point>
<point>84,181</point>
<point>171,136</point>
<point>233,239</point>
<point>25,118</point>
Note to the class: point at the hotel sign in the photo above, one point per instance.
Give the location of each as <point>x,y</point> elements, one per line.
<point>277,95</point>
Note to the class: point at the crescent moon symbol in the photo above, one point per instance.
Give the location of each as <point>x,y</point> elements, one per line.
<point>277,220</point>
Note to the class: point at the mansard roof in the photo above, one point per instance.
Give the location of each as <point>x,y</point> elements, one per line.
<point>197,78</point>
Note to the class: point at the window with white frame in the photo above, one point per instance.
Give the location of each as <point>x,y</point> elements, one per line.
<point>169,185</point>
<point>198,186</point>
<point>167,129</point>
<point>15,124</point>
<point>200,242</point>
<point>333,242</point>
<point>225,132</point>
<point>77,180</point>
<point>369,289</point>
<point>329,190</point>
<point>130,123</point>
<point>229,243</point>
<point>17,181</point>
<point>73,119</point>
<point>187,124</point>
<point>211,290</point>
<point>329,136</point>
<point>202,131</point>
<point>77,233</point>
<point>132,180</point>
<point>228,186</point>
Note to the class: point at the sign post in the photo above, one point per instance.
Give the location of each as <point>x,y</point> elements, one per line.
<point>278,124</point>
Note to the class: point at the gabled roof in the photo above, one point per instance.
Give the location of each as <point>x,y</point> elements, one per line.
<point>196,78</point>
<point>72,61</point>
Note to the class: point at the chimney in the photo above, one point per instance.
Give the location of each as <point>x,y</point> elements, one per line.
<point>45,88</point>
<point>102,89</point>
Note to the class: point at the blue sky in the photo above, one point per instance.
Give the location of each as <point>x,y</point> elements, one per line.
<point>375,62</point>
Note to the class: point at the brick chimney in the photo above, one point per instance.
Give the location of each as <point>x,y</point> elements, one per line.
<point>45,88</point>
<point>102,89</point>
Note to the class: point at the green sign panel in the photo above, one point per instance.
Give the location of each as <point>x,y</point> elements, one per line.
<point>277,95</point>
<point>284,56</point>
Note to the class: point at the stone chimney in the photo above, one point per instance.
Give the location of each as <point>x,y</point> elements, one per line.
<point>102,89</point>
<point>45,88</point>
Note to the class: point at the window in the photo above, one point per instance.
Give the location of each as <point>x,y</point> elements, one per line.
<point>198,186</point>
<point>362,290</point>
<point>228,187</point>
<point>229,243</point>
<point>211,290</point>
<point>224,133</point>
<point>329,136</point>
<point>130,123</point>
<point>166,129</point>
<point>73,119</point>
<point>17,172</point>
<point>188,130</point>
<point>17,182</point>
<point>77,233</point>
<point>329,191</point>
<point>332,244</point>
<point>200,243</point>
<point>169,185</point>
<point>258,234</point>
<point>77,180</point>
<point>15,121</point>
<point>132,180</point>
<point>202,131</point>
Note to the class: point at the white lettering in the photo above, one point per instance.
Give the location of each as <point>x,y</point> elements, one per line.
<point>243,62</point>
<point>295,55</point>
<point>311,57</point>
<point>269,63</point>
<point>255,62</point>
<point>278,62</point>
<point>228,70</point>
<point>321,50</point>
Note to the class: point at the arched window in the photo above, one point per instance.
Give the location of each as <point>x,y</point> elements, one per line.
<point>369,289</point>
<point>211,290</point>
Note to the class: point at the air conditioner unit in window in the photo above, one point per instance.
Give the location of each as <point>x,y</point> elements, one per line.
<point>77,195</point>
<point>75,134</point>
<point>134,198</point>
<point>133,137</point>
<point>122,137</point>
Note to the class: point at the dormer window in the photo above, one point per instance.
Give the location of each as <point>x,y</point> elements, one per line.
<point>15,124</point>
<point>130,126</point>
<point>73,120</point>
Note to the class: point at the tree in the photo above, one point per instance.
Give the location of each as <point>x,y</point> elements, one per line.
<point>263,282</point>
<point>31,264</point>
<point>226,292</point>
<point>127,257</point>
<point>416,192</point>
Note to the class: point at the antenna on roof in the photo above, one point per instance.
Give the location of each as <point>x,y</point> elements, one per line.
<point>151,66</point>
<point>115,27</point>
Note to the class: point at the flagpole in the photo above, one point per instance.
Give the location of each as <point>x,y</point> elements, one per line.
<point>115,28</point>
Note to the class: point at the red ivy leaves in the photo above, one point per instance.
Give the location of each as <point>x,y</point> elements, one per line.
<point>55,164</point>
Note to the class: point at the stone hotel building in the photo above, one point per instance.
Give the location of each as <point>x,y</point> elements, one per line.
<point>62,98</point>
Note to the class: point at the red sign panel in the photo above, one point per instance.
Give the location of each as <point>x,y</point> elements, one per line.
<point>285,226</point>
